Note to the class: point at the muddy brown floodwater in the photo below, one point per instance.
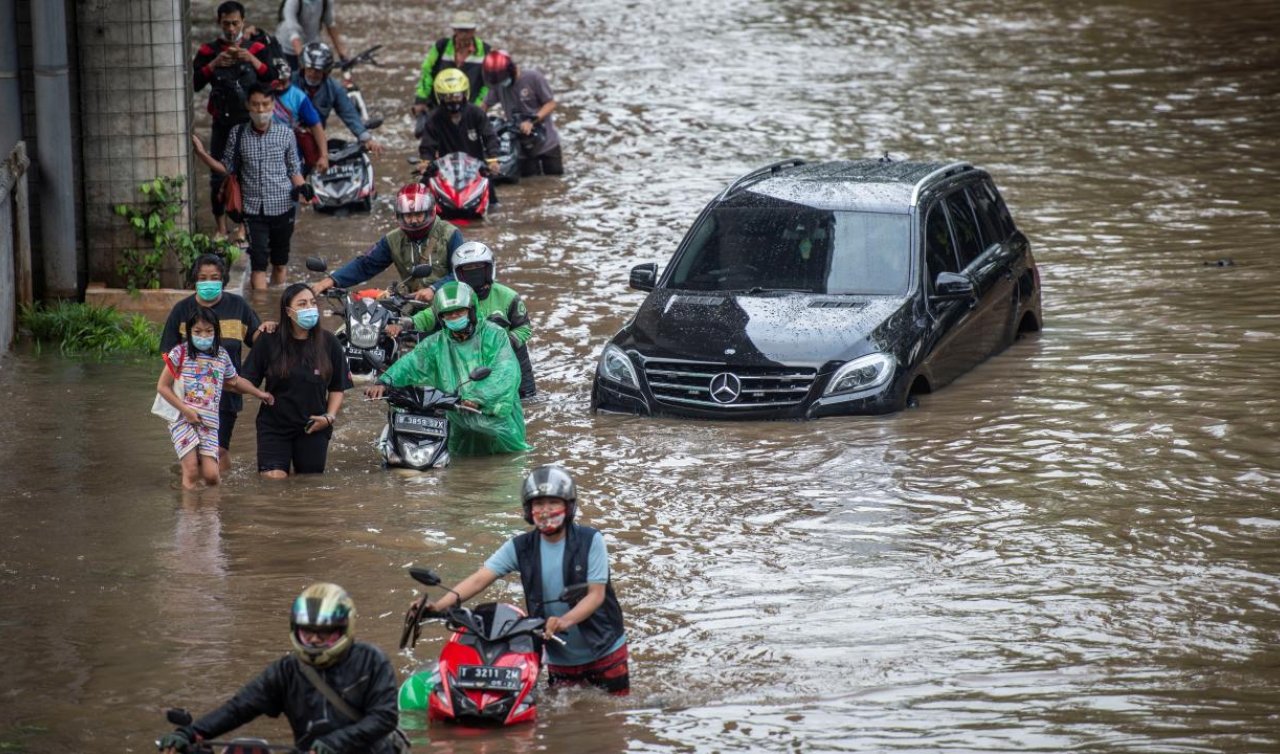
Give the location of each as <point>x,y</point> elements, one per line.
<point>1075,547</point>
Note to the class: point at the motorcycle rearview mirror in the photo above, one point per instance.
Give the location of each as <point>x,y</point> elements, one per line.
<point>373,123</point>
<point>420,271</point>
<point>178,716</point>
<point>573,593</point>
<point>316,264</point>
<point>479,373</point>
<point>424,576</point>
<point>375,359</point>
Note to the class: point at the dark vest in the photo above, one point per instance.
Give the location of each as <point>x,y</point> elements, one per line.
<point>603,627</point>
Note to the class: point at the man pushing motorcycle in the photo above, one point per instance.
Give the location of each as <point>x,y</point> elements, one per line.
<point>420,238</point>
<point>490,420</point>
<point>556,554</point>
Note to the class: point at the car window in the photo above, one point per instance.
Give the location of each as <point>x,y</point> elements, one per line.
<point>991,210</point>
<point>774,245</point>
<point>964,228</point>
<point>939,253</point>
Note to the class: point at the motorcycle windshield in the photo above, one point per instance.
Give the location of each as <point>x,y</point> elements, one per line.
<point>459,169</point>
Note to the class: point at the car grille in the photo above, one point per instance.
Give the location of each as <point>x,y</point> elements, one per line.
<point>724,386</point>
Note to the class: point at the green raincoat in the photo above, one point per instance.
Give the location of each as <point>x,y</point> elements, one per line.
<point>442,362</point>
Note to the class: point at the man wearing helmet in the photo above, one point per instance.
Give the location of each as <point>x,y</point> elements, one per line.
<point>322,631</point>
<point>474,265</point>
<point>421,238</point>
<point>556,554</point>
<point>327,95</point>
<point>294,110</point>
<point>463,51</point>
<point>457,125</point>
<point>491,420</point>
<point>526,97</point>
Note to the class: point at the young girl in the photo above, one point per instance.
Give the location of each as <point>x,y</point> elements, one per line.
<point>205,368</point>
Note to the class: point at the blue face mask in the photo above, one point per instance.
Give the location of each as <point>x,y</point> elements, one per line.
<point>208,290</point>
<point>307,318</point>
<point>457,325</point>
<point>202,344</point>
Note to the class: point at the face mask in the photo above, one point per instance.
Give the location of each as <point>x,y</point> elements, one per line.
<point>549,524</point>
<point>503,84</point>
<point>261,120</point>
<point>477,279</point>
<point>457,325</point>
<point>202,344</point>
<point>454,107</point>
<point>313,80</point>
<point>307,318</point>
<point>233,38</point>
<point>208,290</point>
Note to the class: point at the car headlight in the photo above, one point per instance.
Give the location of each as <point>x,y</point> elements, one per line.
<point>863,373</point>
<point>364,335</point>
<point>614,366</point>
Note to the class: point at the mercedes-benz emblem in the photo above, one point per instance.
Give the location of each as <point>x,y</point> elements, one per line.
<point>725,387</point>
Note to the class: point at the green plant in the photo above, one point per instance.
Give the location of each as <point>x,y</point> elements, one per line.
<point>156,223</point>
<point>84,329</point>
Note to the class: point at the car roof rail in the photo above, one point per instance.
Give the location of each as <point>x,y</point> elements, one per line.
<point>760,174</point>
<point>945,170</point>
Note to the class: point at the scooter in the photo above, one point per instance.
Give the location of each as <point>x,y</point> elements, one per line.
<point>181,718</point>
<point>417,430</point>
<point>349,179</point>
<point>366,314</point>
<point>512,146</point>
<point>488,670</point>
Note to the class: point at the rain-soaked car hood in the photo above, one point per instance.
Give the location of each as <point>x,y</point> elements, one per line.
<point>756,328</point>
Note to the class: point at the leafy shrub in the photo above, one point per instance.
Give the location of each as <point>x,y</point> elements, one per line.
<point>156,223</point>
<point>83,329</point>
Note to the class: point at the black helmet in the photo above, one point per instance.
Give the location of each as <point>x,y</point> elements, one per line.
<point>317,55</point>
<point>549,481</point>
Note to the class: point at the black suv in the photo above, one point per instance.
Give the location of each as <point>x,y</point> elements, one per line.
<point>807,290</point>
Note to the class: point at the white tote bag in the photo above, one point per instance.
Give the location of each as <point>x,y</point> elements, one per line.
<point>164,409</point>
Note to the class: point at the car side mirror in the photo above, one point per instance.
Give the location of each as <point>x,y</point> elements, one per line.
<point>316,264</point>
<point>644,276</point>
<point>952,285</point>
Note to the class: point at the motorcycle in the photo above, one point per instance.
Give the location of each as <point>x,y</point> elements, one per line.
<point>417,430</point>
<point>512,146</point>
<point>181,718</point>
<point>460,184</point>
<point>488,670</point>
<point>349,179</point>
<point>366,314</point>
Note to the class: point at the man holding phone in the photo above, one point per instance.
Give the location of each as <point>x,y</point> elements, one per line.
<point>229,65</point>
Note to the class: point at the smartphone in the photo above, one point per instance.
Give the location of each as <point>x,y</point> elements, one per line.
<point>310,423</point>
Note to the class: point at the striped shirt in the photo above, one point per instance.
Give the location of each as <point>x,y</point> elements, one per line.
<point>264,162</point>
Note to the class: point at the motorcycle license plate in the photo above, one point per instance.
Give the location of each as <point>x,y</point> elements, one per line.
<point>357,352</point>
<point>427,424</point>
<point>488,678</point>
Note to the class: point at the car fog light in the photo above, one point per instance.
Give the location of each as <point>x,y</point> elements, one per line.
<point>615,366</point>
<point>863,373</point>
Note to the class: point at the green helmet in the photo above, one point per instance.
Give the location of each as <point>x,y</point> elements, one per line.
<point>452,296</point>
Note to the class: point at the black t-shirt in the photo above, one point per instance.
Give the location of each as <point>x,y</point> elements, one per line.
<point>304,393</point>
<point>473,134</point>
<point>236,320</point>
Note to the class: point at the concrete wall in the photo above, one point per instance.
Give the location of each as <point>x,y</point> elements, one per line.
<point>135,114</point>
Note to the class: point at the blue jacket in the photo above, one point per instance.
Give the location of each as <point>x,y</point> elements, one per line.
<point>330,96</point>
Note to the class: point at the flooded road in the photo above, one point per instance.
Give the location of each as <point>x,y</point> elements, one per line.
<point>1072,547</point>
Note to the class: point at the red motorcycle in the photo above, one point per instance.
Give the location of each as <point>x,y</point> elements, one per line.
<point>460,184</point>
<point>488,670</point>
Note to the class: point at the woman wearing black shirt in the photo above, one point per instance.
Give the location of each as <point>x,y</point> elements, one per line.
<point>305,369</point>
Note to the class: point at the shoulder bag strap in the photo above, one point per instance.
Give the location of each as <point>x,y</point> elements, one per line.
<point>327,691</point>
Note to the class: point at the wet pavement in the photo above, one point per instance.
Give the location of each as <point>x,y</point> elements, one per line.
<point>1072,547</point>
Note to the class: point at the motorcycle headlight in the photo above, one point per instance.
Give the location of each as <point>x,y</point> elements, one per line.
<point>863,373</point>
<point>416,454</point>
<point>615,366</point>
<point>363,335</point>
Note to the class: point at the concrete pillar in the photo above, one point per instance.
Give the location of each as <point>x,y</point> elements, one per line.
<point>10,85</point>
<point>54,150</point>
<point>134,114</point>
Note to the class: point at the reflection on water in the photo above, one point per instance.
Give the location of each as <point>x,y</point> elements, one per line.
<point>1071,547</point>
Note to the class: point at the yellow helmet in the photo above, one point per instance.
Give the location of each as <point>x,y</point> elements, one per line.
<point>451,85</point>
<point>327,609</point>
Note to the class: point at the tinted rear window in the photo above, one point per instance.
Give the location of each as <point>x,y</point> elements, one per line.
<point>777,245</point>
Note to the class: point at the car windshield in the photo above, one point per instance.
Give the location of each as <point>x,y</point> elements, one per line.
<point>775,245</point>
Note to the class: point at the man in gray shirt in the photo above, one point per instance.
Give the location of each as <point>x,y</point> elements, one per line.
<point>301,22</point>
<point>527,98</point>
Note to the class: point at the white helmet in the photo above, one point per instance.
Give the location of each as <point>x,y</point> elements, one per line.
<point>480,279</point>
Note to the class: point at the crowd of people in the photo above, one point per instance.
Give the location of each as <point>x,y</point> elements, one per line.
<point>270,98</point>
